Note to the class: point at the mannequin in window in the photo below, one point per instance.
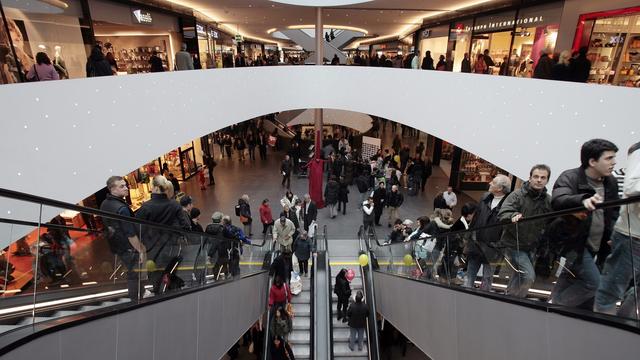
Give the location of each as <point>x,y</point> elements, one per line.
<point>59,64</point>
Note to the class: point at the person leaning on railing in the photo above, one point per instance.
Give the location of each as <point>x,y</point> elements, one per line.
<point>585,233</point>
<point>618,270</point>
<point>122,235</point>
<point>521,240</point>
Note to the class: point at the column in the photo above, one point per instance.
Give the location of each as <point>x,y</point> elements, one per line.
<point>319,62</point>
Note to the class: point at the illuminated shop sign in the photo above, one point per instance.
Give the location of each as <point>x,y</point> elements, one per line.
<point>142,17</point>
<point>213,34</point>
<point>201,31</point>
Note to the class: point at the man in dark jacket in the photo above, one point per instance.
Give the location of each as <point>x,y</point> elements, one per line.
<point>379,198</point>
<point>394,201</point>
<point>302,248</point>
<point>357,313</point>
<point>488,61</point>
<point>121,235</point>
<point>331,191</point>
<point>342,289</point>
<point>580,66</point>
<point>482,249</point>
<point>587,231</point>
<point>520,243</point>
<point>544,66</point>
<point>362,182</point>
<point>309,212</point>
<point>285,170</point>
<point>97,64</point>
<point>219,246</point>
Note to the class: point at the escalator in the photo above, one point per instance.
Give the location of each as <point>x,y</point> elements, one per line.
<point>424,298</point>
<point>79,287</point>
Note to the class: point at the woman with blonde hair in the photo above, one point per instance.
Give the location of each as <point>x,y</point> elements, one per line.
<point>562,70</point>
<point>163,210</point>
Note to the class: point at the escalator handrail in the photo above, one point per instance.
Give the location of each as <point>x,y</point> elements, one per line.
<point>368,287</point>
<point>15,338</point>
<point>586,315</point>
<point>327,266</point>
<point>266,345</point>
<point>545,216</point>
<point>16,195</point>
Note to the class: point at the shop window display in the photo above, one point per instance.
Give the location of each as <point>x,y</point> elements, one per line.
<point>476,173</point>
<point>138,182</point>
<point>54,30</point>
<point>614,51</point>
<point>459,43</point>
<point>8,65</point>
<point>132,59</point>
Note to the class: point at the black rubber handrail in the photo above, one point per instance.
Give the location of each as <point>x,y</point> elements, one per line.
<point>548,215</point>
<point>16,195</point>
<point>18,337</point>
<point>266,346</point>
<point>609,320</point>
<point>330,307</point>
<point>369,293</point>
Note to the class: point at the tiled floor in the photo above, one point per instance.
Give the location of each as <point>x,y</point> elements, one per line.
<point>261,179</point>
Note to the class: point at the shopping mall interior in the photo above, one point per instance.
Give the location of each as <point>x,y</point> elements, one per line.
<point>320,179</point>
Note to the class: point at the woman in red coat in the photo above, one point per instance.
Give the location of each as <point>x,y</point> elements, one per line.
<point>265,215</point>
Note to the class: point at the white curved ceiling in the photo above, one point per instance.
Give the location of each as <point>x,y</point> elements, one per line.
<point>62,139</point>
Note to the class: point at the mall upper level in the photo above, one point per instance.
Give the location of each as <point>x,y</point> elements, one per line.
<point>511,35</point>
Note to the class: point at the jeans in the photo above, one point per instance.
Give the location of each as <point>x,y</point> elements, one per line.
<point>575,288</point>
<point>130,259</point>
<point>352,337</point>
<point>521,282</point>
<point>618,271</point>
<point>473,265</point>
<point>393,214</point>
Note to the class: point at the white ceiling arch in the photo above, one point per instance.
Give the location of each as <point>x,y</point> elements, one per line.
<point>62,139</point>
<point>321,3</point>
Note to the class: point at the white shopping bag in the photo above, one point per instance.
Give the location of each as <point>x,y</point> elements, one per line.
<point>294,262</point>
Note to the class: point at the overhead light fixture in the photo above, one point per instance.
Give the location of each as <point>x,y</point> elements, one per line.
<point>327,26</point>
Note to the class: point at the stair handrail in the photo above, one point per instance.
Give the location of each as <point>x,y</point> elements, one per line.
<point>266,344</point>
<point>369,293</point>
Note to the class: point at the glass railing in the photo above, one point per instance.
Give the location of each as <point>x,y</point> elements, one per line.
<point>64,259</point>
<point>543,260</point>
<point>21,77</point>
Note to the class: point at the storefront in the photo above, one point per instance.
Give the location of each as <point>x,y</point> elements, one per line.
<point>60,32</point>
<point>133,34</point>
<point>613,39</point>
<point>209,46</point>
<point>459,43</point>
<point>436,40</point>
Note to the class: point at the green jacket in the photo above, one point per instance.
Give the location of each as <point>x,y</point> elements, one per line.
<point>527,202</point>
